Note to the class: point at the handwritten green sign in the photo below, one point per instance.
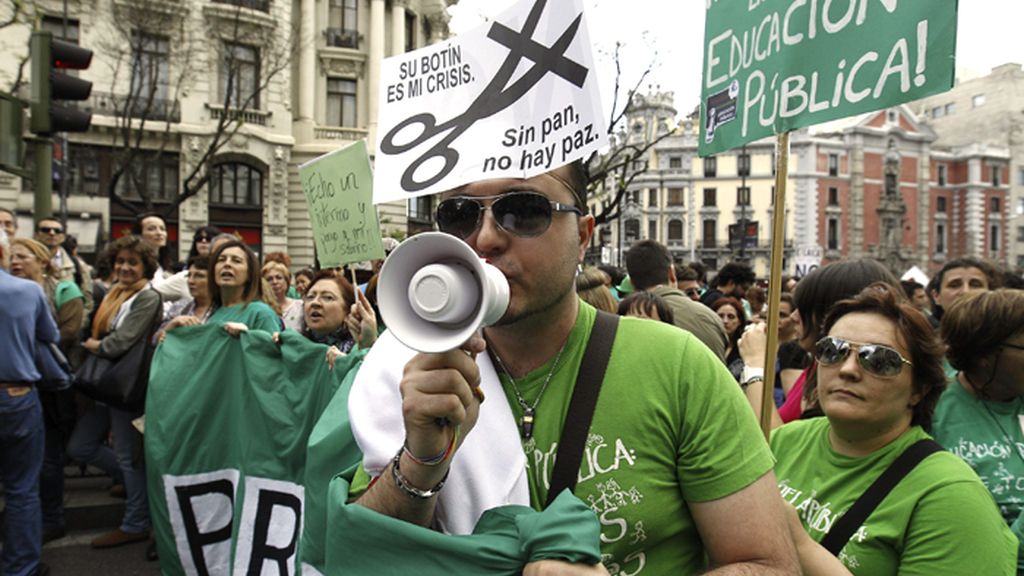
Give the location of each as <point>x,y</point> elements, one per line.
<point>772,66</point>
<point>339,193</point>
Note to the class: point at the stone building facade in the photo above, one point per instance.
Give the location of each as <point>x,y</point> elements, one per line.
<point>313,65</point>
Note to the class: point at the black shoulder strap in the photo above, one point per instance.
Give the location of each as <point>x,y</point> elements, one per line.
<point>850,522</point>
<point>581,407</point>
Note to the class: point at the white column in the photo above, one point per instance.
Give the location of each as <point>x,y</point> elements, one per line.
<point>307,61</point>
<point>376,55</point>
<point>398,27</point>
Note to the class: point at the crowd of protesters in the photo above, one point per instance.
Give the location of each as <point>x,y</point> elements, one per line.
<point>867,366</point>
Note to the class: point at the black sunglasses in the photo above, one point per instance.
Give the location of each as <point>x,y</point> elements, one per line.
<point>875,358</point>
<point>524,214</point>
<point>49,230</point>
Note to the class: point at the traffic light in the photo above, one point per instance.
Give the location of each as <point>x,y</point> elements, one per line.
<point>49,57</point>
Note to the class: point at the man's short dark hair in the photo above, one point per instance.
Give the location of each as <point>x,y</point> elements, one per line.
<point>702,271</point>
<point>51,219</point>
<point>687,274</point>
<point>736,273</point>
<point>648,264</point>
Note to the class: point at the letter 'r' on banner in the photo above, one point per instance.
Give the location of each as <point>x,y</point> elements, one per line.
<point>512,98</point>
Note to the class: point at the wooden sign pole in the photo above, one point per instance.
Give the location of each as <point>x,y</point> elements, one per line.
<point>775,278</point>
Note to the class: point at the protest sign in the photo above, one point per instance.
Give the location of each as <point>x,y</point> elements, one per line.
<point>339,193</point>
<point>772,67</point>
<point>227,423</point>
<point>513,98</point>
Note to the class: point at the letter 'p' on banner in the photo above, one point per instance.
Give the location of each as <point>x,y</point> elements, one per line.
<point>512,98</point>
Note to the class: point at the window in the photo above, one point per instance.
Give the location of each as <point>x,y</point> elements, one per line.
<point>1020,176</point>
<point>937,112</point>
<point>950,108</point>
<point>420,209</point>
<point>940,238</point>
<point>743,196</point>
<point>833,196</point>
<point>675,196</point>
<point>833,164</point>
<point>941,174</point>
<point>891,116</point>
<point>1020,206</point>
<point>994,204</point>
<point>675,230</point>
<point>343,25</point>
<point>710,197</point>
<point>632,231</point>
<point>833,233</point>
<point>341,102</point>
<point>743,165</point>
<point>993,239</point>
<point>634,197</point>
<point>652,230</point>
<point>153,175</point>
<point>710,167</point>
<point>940,204</point>
<point>652,197</point>
<point>710,233</point>
<point>978,100</point>
<point>55,26</point>
<point>240,76</point>
<point>675,163</point>
<point>410,31</point>
<point>150,70</point>
<point>236,184</point>
<point>1020,233</point>
<point>995,170</point>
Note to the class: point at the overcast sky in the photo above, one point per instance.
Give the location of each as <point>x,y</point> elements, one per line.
<point>671,33</point>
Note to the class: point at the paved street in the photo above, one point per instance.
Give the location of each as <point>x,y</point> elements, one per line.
<point>72,556</point>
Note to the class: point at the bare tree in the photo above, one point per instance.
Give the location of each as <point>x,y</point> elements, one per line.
<point>17,12</point>
<point>157,57</point>
<point>611,174</point>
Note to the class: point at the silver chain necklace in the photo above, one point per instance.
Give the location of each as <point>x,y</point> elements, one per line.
<point>529,411</point>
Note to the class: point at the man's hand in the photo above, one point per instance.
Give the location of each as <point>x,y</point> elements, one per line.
<point>560,568</point>
<point>437,393</point>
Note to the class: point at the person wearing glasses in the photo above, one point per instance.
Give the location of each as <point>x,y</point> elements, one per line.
<point>676,470</point>
<point>979,415</point>
<point>688,281</point>
<point>334,317</point>
<point>879,378</point>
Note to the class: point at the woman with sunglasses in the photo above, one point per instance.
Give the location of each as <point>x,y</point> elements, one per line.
<point>979,415</point>
<point>879,378</point>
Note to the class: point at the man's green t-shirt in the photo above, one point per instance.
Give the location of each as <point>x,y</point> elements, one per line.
<point>938,520</point>
<point>670,426</point>
<point>988,436</point>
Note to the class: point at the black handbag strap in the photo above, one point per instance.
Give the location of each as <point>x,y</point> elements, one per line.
<point>852,520</point>
<point>581,406</point>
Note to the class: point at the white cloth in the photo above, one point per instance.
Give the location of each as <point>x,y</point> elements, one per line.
<point>488,471</point>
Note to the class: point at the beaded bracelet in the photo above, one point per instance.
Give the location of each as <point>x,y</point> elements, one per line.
<point>436,458</point>
<point>410,490</point>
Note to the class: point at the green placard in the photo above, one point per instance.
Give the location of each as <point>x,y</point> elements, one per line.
<point>339,193</point>
<point>772,66</point>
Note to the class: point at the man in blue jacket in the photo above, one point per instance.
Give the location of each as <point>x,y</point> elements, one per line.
<point>25,322</point>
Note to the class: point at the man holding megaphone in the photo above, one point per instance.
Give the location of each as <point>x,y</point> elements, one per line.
<point>672,463</point>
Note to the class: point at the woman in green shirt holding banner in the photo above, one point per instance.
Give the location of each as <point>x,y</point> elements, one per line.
<point>880,376</point>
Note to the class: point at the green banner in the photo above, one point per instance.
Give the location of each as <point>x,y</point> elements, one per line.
<point>227,424</point>
<point>339,193</point>
<point>772,66</point>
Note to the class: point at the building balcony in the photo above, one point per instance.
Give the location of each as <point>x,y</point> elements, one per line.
<point>343,38</point>
<point>245,116</point>
<point>339,133</point>
<point>261,5</point>
<point>158,109</point>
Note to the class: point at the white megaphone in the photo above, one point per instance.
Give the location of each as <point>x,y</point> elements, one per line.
<point>435,292</point>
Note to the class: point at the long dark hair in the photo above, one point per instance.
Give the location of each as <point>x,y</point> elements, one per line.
<point>253,282</point>
<point>208,232</point>
<point>164,252</point>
